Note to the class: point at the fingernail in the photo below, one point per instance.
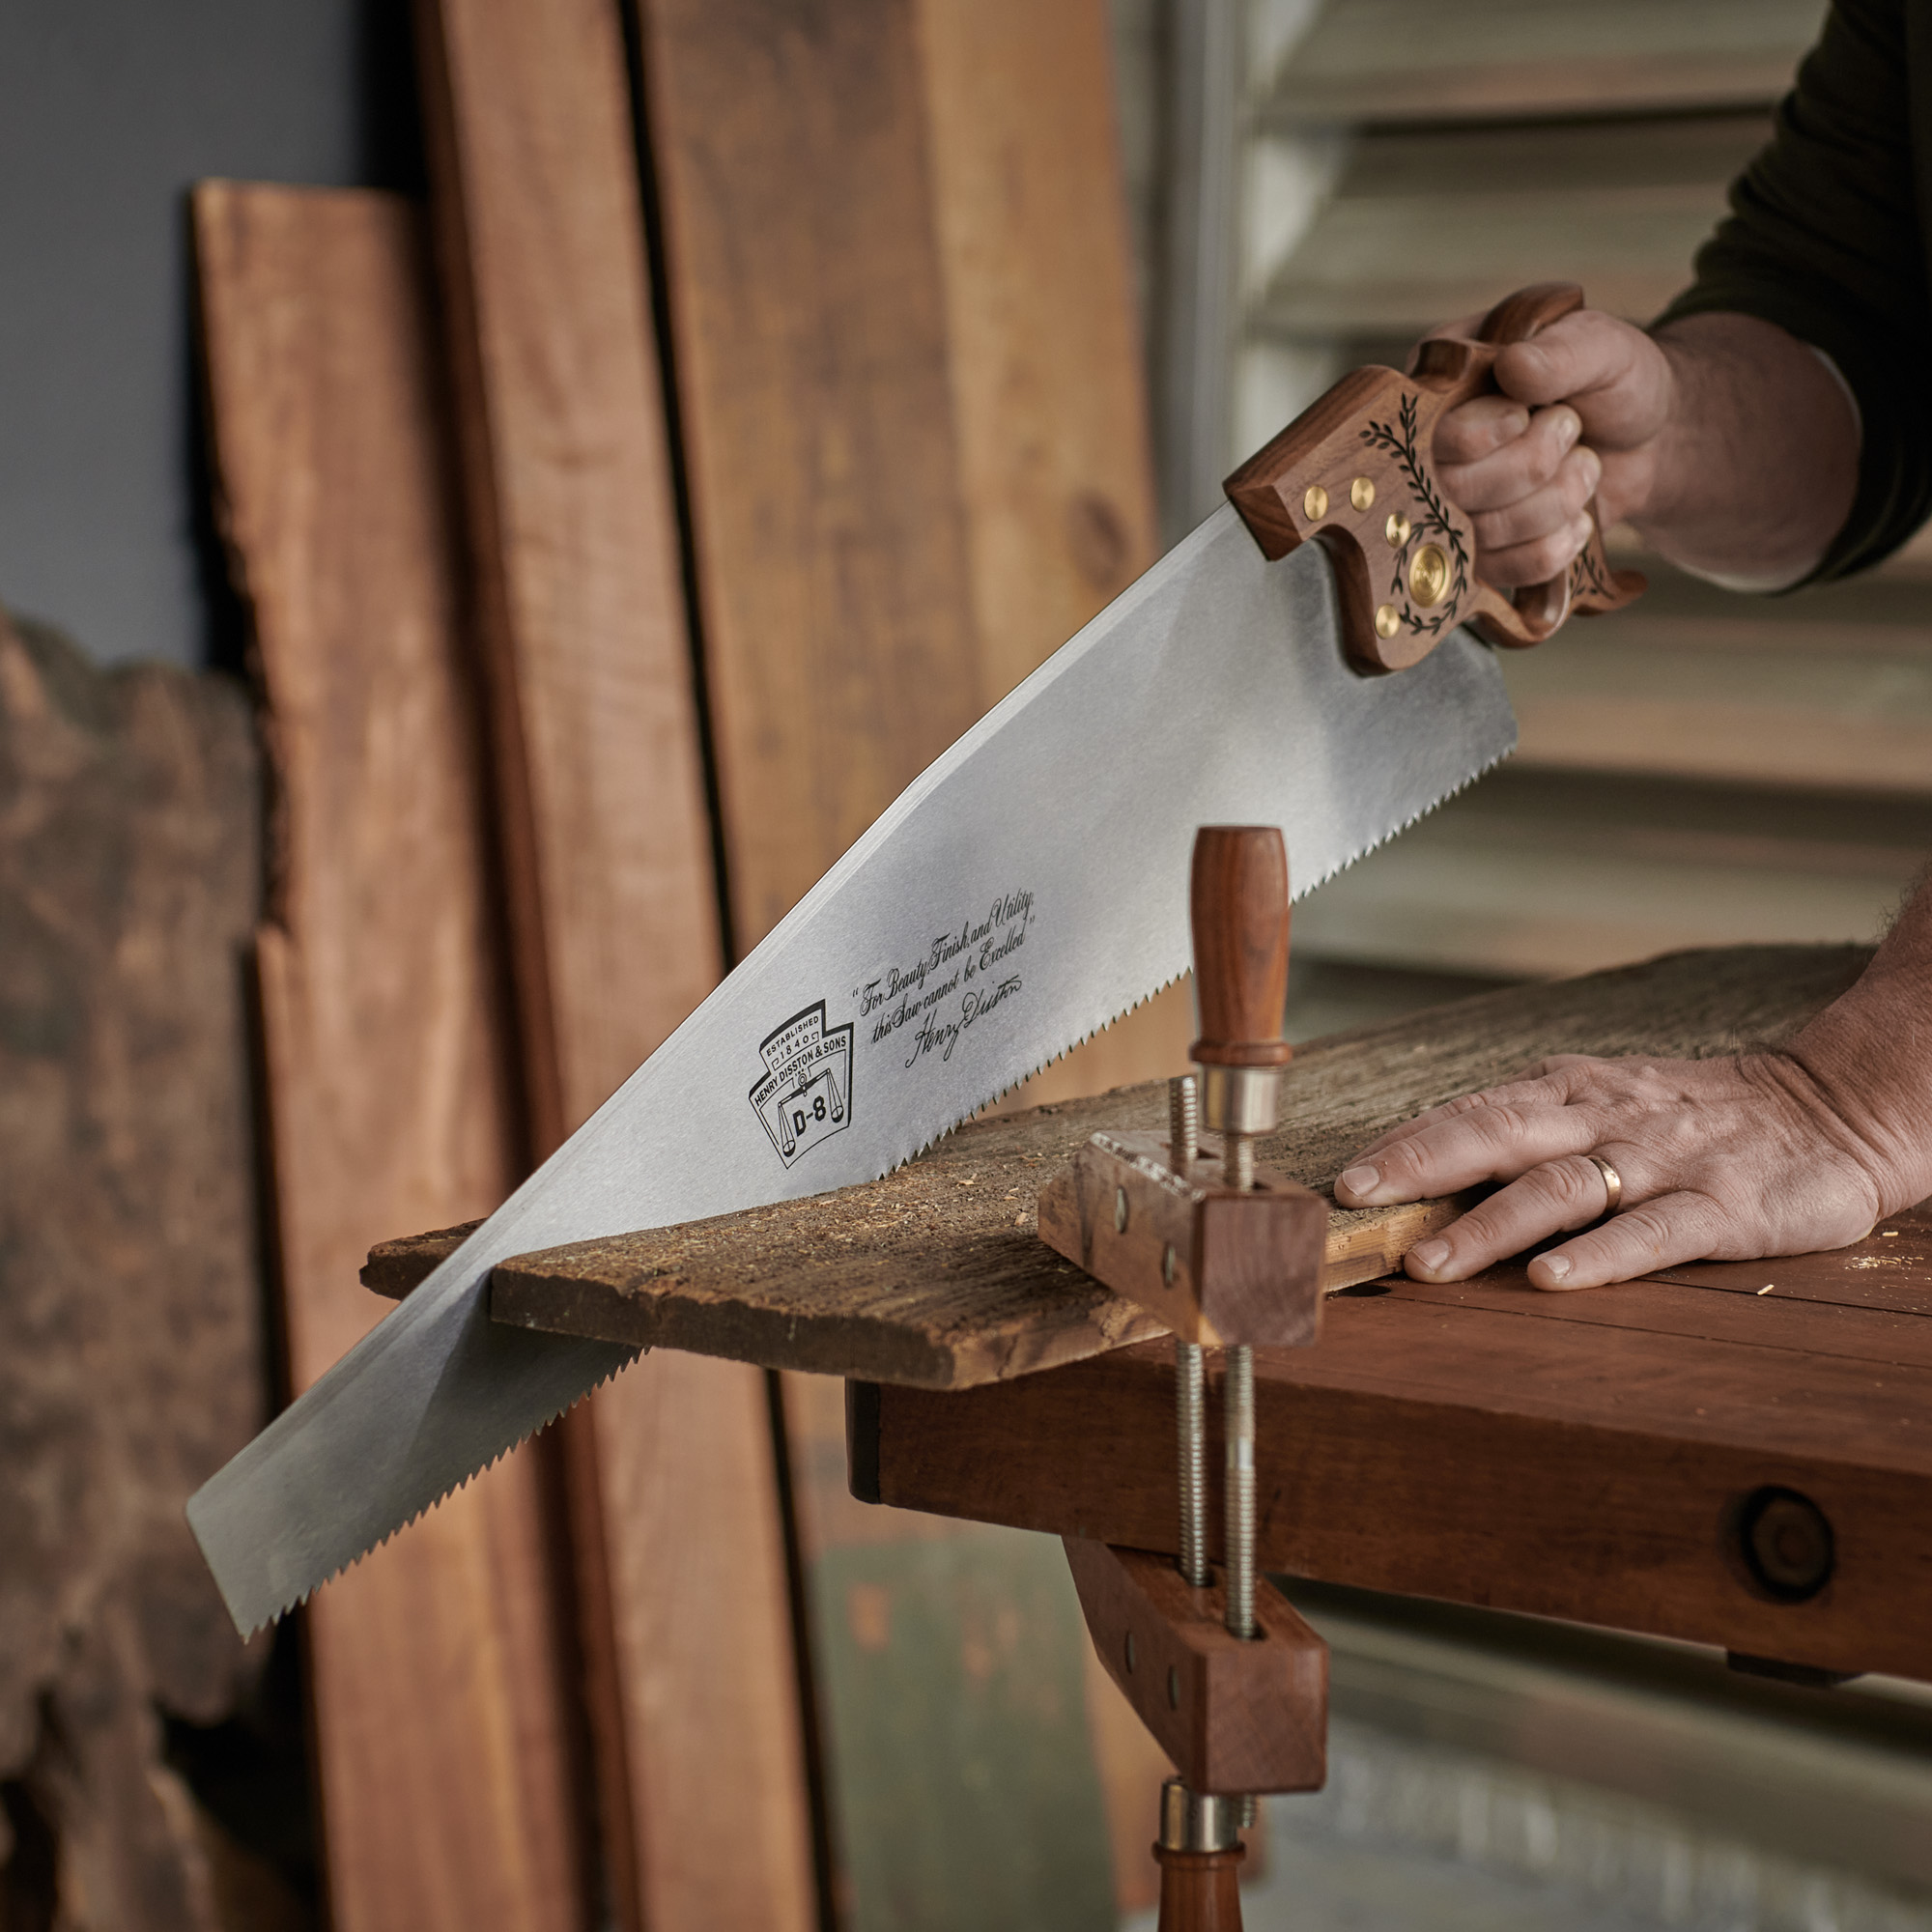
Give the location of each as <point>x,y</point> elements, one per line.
<point>1360,1180</point>
<point>1571,427</point>
<point>1556,1266</point>
<point>1431,1254</point>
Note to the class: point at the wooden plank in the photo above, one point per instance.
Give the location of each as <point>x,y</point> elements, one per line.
<point>1403,59</point>
<point>1555,1467</point>
<point>613,909</point>
<point>574,536</point>
<point>1044,361</point>
<point>438,1664</point>
<point>1235,1714</point>
<point>916,449</point>
<point>1890,1268</point>
<point>131,879</point>
<point>934,1276</point>
<point>811,347</point>
<point>1890,1332</point>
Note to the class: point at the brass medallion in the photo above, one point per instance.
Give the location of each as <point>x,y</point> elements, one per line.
<point>1428,576</point>
<point>1388,620</point>
<point>1315,502</point>
<point>1397,529</point>
<point>1362,494</point>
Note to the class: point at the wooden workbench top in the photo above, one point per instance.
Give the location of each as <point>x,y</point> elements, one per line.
<point>1591,1456</point>
<point>935,1277</point>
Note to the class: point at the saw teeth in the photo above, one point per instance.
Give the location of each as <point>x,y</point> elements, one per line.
<point>436,1501</point>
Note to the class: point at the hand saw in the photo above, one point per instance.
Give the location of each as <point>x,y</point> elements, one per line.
<point>1025,890</point>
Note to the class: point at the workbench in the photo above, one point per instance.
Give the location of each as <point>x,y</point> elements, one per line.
<point>1734,1454</point>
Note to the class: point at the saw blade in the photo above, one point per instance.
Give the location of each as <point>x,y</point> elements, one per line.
<point>1025,890</point>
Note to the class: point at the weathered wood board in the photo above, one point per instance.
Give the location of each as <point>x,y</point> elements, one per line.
<point>447,1794</point>
<point>130,883</point>
<point>1591,1456</point>
<point>1044,361</point>
<point>613,913</point>
<point>935,1276</point>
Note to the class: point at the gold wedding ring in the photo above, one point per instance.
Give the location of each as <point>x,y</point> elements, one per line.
<point>1613,1183</point>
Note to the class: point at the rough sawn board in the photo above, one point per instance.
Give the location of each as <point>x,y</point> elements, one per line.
<point>934,1277</point>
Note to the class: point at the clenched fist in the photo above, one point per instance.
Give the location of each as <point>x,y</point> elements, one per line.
<point>1730,444</point>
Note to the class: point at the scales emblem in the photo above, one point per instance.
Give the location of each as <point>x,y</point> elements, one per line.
<point>805,1094</point>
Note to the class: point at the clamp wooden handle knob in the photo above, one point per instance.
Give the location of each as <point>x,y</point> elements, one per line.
<point>1237,897</point>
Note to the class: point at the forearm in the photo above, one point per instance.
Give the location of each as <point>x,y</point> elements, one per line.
<point>1870,1055</point>
<point>1756,467</point>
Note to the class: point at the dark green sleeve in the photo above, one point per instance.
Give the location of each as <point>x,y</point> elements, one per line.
<point>1825,239</point>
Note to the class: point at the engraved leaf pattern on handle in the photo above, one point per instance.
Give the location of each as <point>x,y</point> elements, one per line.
<point>1399,440</point>
<point>1587,576</point>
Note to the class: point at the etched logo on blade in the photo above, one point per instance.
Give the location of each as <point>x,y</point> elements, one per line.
<point>806,1094</point>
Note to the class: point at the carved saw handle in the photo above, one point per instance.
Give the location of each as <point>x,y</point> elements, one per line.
<point>1354,471</point>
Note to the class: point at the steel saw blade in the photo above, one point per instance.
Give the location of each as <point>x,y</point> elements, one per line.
<point>1025,890</point>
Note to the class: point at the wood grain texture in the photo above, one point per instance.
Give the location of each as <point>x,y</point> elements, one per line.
<point>573,536</point>
<point>1049,398</point>
<point>811,343</point>
<point>1213,1264</point>
<point>614,914</point>
<point>441,1713</point>
<point>133,1362</point>
<point>907,490</point>
<point>1200,1892</point>
<point>935,1276</point>
<point>1602,1458</point>
<point>1233,1714</point>
<point>1238,915</point>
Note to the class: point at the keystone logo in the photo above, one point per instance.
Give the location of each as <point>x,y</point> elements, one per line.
<point>806,1094</point>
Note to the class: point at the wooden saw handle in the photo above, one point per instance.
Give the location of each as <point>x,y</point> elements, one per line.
<point>1237,897</point>
<point>1354,471</point>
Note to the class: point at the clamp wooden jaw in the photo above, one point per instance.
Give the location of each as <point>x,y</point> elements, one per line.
<point>1227,1257</point>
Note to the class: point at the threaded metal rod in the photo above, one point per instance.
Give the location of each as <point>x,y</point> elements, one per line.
<point>1241,1491</point>
<point>1190,1412</point>
<point>1238,1162</point>
<point>1184,1122</point>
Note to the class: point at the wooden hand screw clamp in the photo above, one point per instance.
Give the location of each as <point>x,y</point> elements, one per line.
<point>1233,1686</point>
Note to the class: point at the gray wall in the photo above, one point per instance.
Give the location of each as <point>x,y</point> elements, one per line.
<point>109,109</point>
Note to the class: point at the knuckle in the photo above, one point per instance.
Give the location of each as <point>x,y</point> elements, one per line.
<point>1652,1234</point>
<point>1578,481</point>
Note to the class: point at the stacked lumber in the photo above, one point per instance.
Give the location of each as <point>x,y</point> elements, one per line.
<point>614,918</point>
<point>914,430</point>
<point>441,1677</point>
<point>911,427</point>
